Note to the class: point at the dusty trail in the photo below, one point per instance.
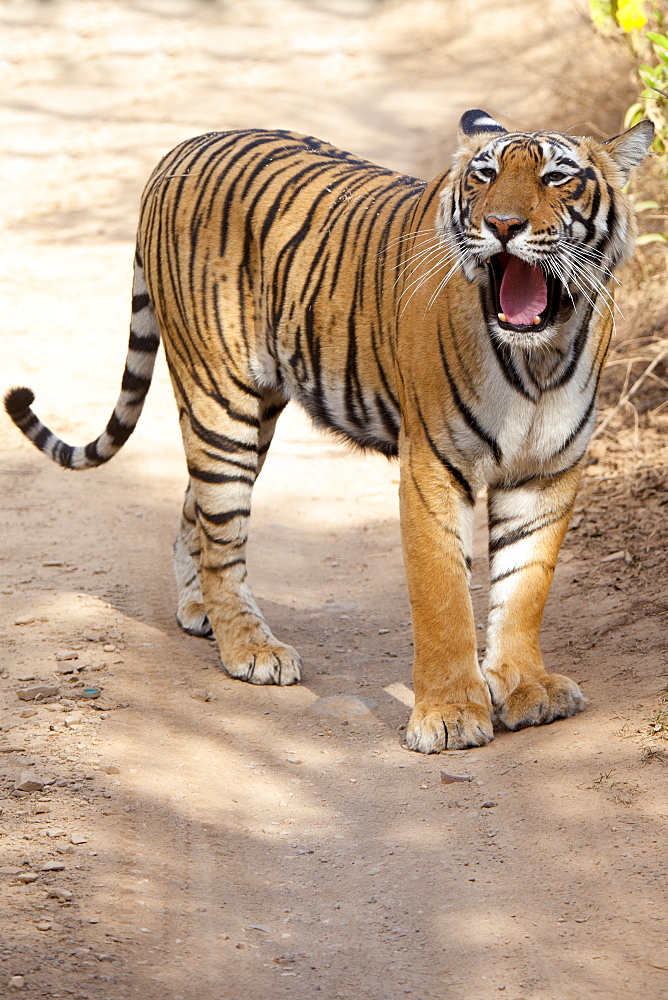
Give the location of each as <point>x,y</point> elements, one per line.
<point>244,842</point>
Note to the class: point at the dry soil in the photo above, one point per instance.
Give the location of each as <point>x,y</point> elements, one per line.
<point>200,839</point>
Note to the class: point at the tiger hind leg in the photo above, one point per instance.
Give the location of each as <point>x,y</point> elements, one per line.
<point>214,597</point>
<point>190,612</point>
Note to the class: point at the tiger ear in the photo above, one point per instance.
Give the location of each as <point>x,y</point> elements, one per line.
<point>630,148</point>
<point>477,123</point>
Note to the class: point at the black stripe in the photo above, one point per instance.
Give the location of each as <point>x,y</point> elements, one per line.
<point>272,411</point>
<point>444,527</point>
<point>140,302</point>
<point>389,418</point>
<point>135,383</point>
<point>64,454</point>
<point>143,344</point>
<point>519,483</point>
<point>576,430</point>
<point>466,413</point>
<point>118,432</point>
<point>216,440</point>
<point>576,353</point>
<point>232,562</point>
<point>92,454</point>
<point>228,461</point>
<point>224,516</point>
<point>218,477</point>
<point>42,437</point>
<point>226,543</point>
<point>456,473</point>
<point>519,534</point>
<point>519,569</point>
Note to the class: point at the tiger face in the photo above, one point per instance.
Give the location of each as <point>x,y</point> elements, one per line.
<point>538,222</point>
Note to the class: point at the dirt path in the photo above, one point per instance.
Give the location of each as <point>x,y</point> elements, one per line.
<point>214,841</point>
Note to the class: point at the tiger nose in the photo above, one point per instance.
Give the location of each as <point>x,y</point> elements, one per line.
<point>505,228</point>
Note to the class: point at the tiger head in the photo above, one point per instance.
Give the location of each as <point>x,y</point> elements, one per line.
<point>539,221</point>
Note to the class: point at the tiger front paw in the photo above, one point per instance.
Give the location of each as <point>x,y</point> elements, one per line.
<point>449,727</point>
<point>538,702</point>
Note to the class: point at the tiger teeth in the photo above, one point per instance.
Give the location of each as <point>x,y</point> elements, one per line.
<point>536,321</point>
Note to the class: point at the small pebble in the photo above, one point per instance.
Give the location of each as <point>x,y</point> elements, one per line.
<point>44,925</point>
<point>199,694</point>
<point>70,668</point>
<point>77,838</point>
<point>53,866</point>
<point>24,620</point>
<point>27,877</point>
<point>62,895</point>
<point>17,982</point>
<point>67,654</point>
<point>111,769</point>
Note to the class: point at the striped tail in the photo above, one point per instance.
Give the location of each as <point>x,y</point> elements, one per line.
<point>142,350</point>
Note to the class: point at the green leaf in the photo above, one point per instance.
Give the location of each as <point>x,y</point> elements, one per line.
<point>660,40</point>
<point>648,75</point>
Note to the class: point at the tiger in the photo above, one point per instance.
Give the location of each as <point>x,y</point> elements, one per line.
<point>460,324</point>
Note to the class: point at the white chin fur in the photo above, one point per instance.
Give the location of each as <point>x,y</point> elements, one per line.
<point>528,340</point>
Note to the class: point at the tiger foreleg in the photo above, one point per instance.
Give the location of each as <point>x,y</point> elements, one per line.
<point>527,526</point>
<point>452,703</point>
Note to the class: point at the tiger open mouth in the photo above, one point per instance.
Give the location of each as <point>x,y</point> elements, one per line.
<point>525,297</point>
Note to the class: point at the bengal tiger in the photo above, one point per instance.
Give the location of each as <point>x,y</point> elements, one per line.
<point>461,324</point>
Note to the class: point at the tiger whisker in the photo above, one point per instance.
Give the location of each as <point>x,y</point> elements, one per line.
<point>425,277</point>
<point>423,257</point>
<point>428,260</point>
<point>407,236</point>
<point>593,281</point>
<point>442,284</point>
<point>421,279</point>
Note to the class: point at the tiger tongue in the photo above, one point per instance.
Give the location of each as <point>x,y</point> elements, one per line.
<point>523,292</point>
